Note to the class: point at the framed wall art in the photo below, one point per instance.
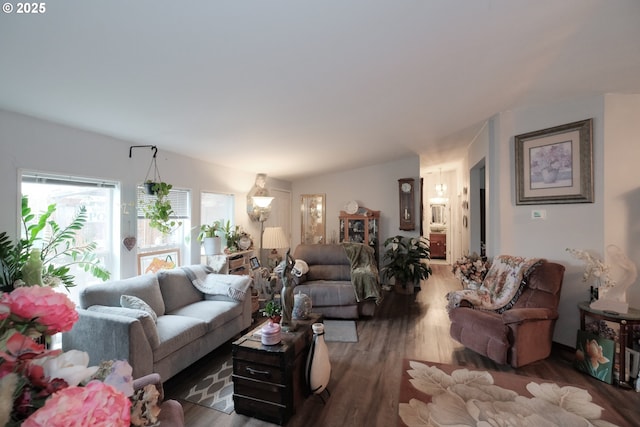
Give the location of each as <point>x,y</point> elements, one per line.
<point>555,165</point>
<point>313,218</point>
<point>152,262</point>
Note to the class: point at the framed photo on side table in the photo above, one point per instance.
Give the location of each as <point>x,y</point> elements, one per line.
<point>555,165</point>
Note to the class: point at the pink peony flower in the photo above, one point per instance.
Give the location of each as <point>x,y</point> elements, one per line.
<point>96,405</point>
<point>53,310</point>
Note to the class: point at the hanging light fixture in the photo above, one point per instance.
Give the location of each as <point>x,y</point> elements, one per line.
<point>441,187</point>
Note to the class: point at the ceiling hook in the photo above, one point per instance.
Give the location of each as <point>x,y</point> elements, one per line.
<point>153,147</point>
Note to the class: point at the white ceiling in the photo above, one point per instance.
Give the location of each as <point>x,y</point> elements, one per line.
<point>294,88</point>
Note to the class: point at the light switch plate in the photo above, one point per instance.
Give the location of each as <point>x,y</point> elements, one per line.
<point>539,214</point>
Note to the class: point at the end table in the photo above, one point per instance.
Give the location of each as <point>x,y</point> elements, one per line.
<point>268,380</point>
<point>632,317</point>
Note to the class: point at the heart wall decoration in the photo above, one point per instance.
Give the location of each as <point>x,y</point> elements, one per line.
<point>129,242</point>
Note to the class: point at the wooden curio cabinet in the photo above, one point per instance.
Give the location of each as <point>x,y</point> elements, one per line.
<point>361,227</point>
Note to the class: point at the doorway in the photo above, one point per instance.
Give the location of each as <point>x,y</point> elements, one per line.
<point>477,209</point>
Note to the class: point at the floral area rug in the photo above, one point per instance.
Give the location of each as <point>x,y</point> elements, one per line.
<point>215,390</point>
<point>433,394</point>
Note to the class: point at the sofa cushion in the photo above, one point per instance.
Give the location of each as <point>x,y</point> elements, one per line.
<point>176,332</point>
<point>327,292</point>
<point>148,324</point>
<point>129,301</point>
<point>177,290</point>
<point>213,313</point>
<point>145,287</point>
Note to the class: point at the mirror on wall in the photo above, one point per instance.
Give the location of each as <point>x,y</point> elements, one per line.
<point>313,218</point>
<point>438,217</point>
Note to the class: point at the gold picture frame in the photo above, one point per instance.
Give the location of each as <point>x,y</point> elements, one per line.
<point>555,165</point>
<point>313,225</point>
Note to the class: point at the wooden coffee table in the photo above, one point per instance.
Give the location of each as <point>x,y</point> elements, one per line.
<point>269,380</point>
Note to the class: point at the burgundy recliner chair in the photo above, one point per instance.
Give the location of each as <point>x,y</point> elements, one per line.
<point>520,335</point>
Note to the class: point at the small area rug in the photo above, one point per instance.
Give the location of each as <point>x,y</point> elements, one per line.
<point>340,331</point>
<point>215,390</point>
<point>434,394</point>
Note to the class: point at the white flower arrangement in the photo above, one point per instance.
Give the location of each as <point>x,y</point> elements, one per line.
<point>595,269</point>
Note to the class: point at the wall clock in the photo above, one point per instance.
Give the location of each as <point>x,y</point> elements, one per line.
<point>407,204</point>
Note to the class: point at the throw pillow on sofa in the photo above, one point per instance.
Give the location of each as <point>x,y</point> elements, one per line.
<point>129,301</point>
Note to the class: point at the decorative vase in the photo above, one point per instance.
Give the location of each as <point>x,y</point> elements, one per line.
<point>301,306</point>
<point>404,288</point>
<point>318,370</point>
<point>270,334</point>
<point>212,245</point>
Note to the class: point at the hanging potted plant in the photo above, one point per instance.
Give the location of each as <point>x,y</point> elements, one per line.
<point>209,237</point>
<point>150,184</point>
<point>159,211</point>
<point>404,261</point>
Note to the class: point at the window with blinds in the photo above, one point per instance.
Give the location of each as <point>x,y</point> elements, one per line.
<point>154,244</point>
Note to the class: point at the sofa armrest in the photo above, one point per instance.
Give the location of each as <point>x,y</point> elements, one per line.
<point>518,315</point>
<point>171,412</point>
<point>154,378</point>
<point>106,336</point>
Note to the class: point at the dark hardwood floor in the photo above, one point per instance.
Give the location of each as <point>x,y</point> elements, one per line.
<point>365,377</point>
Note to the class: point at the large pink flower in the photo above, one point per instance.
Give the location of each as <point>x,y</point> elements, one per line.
<point>53,310</point>
<point>96,405</point>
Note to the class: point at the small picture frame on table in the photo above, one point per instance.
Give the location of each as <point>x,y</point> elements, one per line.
<point>254,262</point>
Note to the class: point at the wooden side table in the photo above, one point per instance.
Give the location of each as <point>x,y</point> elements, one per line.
<point>623,319</point>
<point>268,380</point>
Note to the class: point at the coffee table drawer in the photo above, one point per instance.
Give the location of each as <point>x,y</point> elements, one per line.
<point>262,357</point>
<point>260,390</point>
<point>272,412</point>
<point>258,371</point>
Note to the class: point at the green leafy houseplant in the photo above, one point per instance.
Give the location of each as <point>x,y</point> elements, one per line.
<point>47,243</point>
<point>272,310</point>
<point>210,230</point>
<point>404,259</point>
<point>159,211</point>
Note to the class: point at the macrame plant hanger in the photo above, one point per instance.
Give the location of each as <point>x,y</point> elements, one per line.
<point>149,182</point>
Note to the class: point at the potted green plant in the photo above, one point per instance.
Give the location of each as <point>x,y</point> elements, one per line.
<point>404,261</point>
<point>232,236</point>
<point>159,211</point>
<point>209,237</point>
<point>273,311</point>
<point>46,243</point>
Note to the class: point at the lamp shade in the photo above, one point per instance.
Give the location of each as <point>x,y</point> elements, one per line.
<point>262,201</point>
<point>274,238</point>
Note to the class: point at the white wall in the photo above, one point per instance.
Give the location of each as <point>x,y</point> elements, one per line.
<point>621,186</point>
<point>581,226</point>
<point>374,187</point>
<point>34,144</point>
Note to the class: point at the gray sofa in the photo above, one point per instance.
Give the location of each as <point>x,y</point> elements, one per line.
<point>189,324</point>
<point>329,281</point>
